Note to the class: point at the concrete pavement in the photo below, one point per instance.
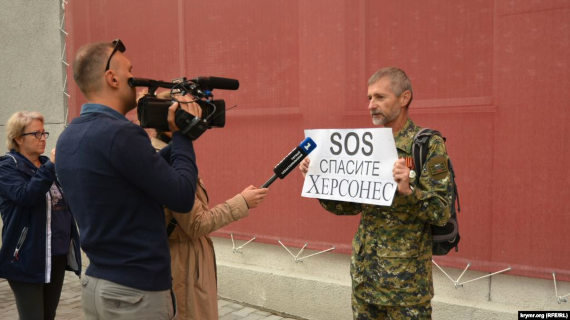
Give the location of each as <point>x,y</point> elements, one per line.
<point>70,305</point>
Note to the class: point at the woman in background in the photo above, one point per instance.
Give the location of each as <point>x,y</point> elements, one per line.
<point>39,238</point>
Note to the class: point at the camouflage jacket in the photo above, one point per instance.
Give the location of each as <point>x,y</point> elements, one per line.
<point>391,258</point>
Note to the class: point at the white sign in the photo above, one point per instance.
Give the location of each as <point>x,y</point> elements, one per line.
<point>353,165</point>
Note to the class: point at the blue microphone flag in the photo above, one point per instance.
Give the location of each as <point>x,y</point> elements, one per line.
<point>294,158</point>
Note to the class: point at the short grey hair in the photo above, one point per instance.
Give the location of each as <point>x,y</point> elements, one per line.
<point>17,124</point>
<point>89,66</point>
<point>399,81</point>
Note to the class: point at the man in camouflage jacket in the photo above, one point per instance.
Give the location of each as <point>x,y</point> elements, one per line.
<point>391,258</point>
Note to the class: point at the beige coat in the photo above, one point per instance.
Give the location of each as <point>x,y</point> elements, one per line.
<point>192,253</point>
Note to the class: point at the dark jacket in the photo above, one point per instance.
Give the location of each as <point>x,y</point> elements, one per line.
<point>25,254</point>
<point>116,185</point>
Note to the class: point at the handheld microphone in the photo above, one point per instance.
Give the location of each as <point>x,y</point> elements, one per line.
<point>217,83</point>
<point>291,160</point>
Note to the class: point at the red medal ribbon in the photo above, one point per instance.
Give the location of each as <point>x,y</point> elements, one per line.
<point>410,163</point>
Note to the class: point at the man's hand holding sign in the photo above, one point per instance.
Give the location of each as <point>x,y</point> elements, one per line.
<point>354,165</point>
<point>402,176</point>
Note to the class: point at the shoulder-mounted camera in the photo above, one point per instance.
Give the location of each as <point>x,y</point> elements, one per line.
<point>153,111</point>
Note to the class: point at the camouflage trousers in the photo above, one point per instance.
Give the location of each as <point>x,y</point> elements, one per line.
<point>362,310</point>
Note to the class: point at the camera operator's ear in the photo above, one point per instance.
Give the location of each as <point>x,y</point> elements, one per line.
<point>111,79</point>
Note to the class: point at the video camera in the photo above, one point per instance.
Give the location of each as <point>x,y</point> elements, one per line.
<point>153,112</point>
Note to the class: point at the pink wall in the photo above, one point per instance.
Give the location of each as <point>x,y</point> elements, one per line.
<point>491,75</point>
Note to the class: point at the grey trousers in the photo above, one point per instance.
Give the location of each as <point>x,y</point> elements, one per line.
<point>102,299</point>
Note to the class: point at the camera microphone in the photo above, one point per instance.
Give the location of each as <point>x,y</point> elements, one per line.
<point>291,160</point>
<point>142,82</point>
<point>206,83</point>
<point>217,83</point>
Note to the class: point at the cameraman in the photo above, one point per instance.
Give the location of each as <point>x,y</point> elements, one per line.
<point>117,186</point>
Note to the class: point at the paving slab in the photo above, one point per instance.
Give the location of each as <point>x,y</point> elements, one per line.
<point>70,305</point>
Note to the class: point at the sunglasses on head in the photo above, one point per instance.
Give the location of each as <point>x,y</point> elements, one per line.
<point>117,46</point>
